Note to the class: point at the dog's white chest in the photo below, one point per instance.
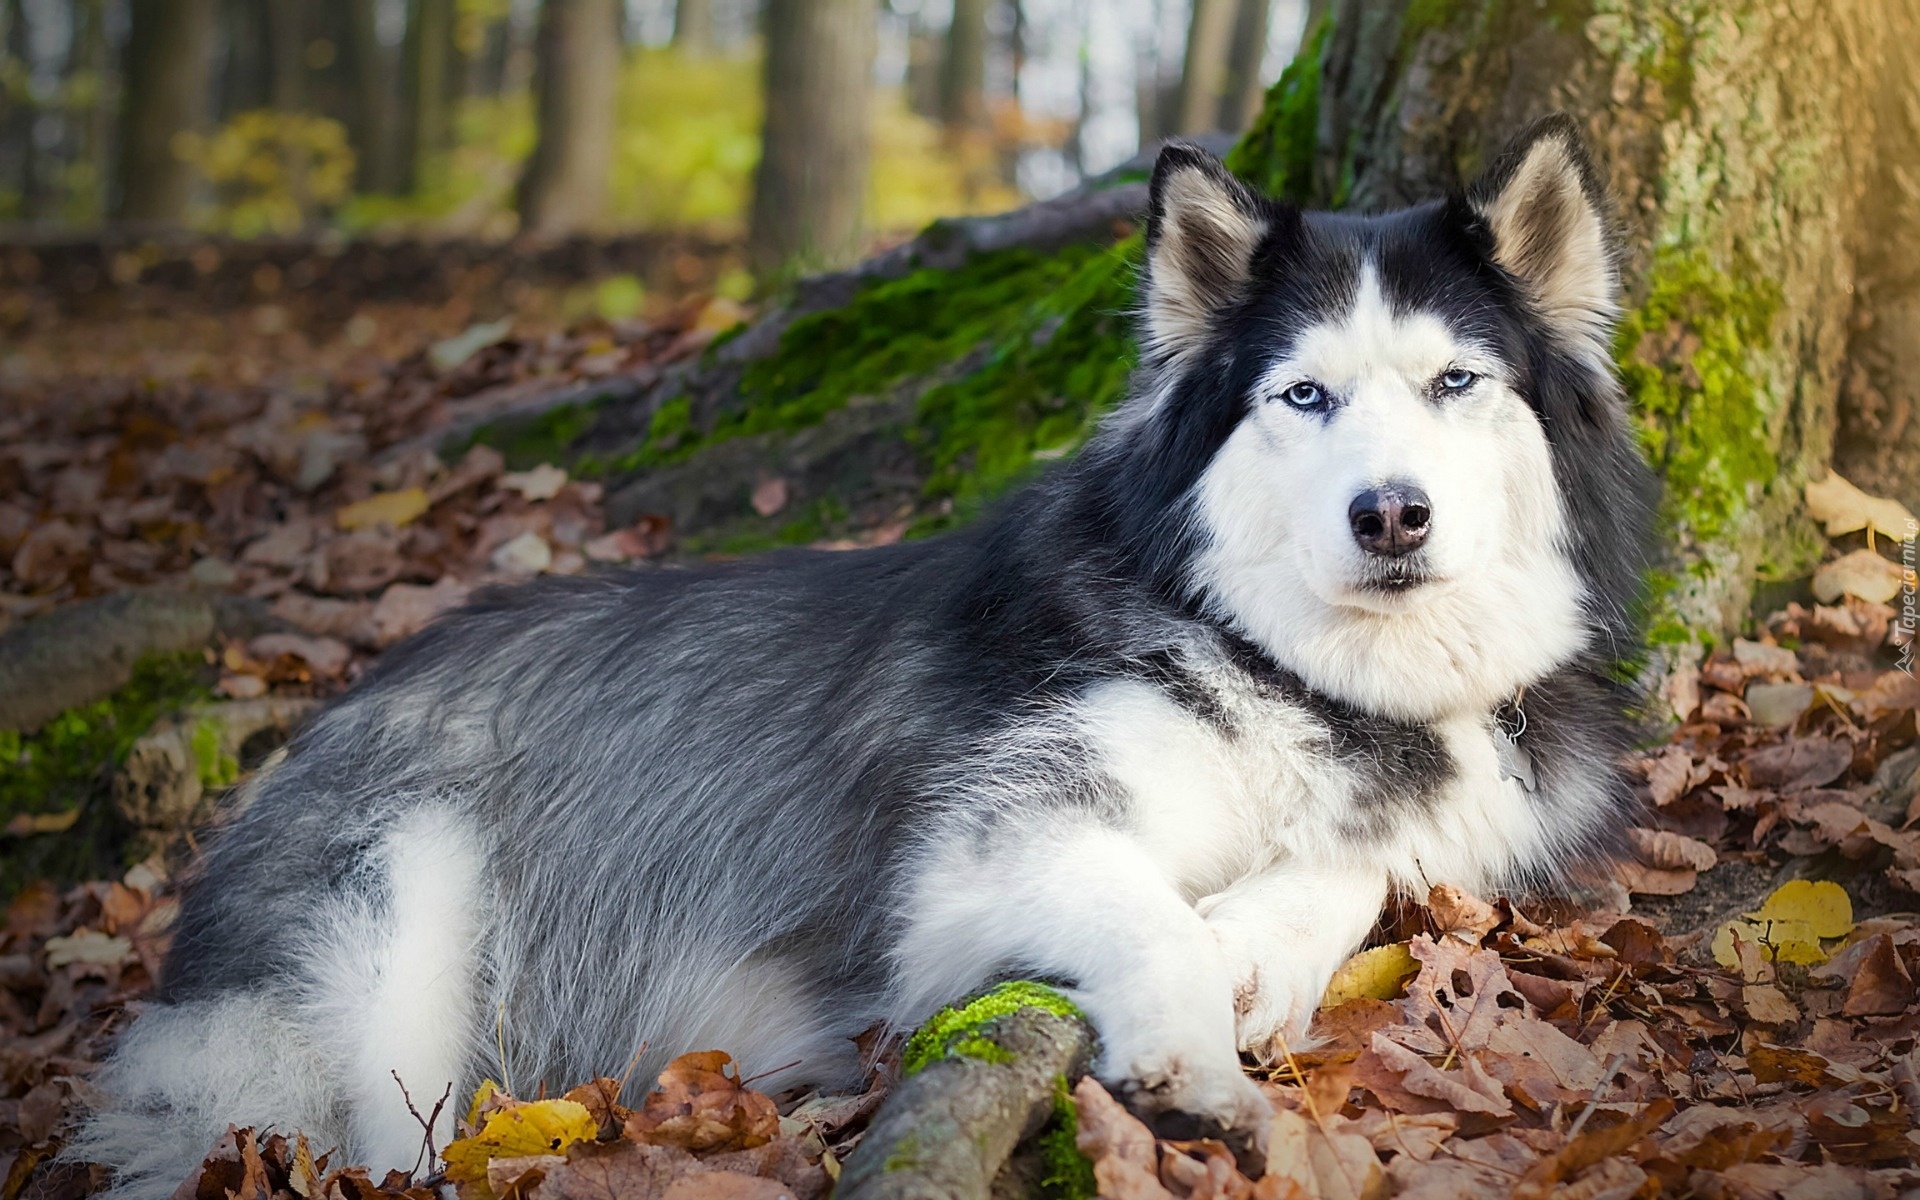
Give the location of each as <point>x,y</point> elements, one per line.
<point>1209,803</point>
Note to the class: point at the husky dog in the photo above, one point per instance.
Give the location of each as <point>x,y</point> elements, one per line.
<point>1329,608</point>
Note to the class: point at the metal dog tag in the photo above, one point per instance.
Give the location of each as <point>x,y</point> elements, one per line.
<point>1515,762</point>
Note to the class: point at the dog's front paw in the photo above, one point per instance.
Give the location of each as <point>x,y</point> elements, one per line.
<point>1274,998</point>
<point>1183,1103</point>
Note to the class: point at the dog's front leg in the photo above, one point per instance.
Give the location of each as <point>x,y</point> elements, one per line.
<point>1084,904</point>
<point>1283,933</point>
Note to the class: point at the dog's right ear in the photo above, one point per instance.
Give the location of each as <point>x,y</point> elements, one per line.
<point>1203,226</point>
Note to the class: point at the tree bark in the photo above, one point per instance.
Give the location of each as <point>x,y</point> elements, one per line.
<point>1241,98</point>
<point>1878,447</point>
<point>1203,80</point>
<point>287,34</point>
<point>169,53</point>
<point>811,185</point>
<point>429,51</point>
<point>376,101</point>
<point>693,26</point>
<point>565,185</point>
<point>963,70</point>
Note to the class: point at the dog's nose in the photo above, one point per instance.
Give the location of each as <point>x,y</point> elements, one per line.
<point>1390,520</point>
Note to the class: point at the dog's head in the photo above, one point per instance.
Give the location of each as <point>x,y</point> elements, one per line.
<point>1391,436</point>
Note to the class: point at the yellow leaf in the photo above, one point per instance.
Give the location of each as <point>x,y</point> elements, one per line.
<point>1845,509</point>
<point>1376,974</point>
<point>1821,904</point>
<point>1723,939</point>
<point>537,1127</point>
<point>481,1095</point>
<point>387,508</point>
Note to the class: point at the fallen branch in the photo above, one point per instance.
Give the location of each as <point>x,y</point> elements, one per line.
<point>981,1079</point>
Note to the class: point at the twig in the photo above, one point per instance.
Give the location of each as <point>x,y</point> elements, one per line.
<point>1613,1068</point>
<point>428,1153</point>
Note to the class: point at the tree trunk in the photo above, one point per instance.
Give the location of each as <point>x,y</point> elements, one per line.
<point>811,185</point>
<point>963,70</point>
<point>1241,99</point>
<point>169,53</point>
<point>92,60</point>
<point>376,102</point>
<point>1742,156</point>
<point>429,48</point>
<point>565,185</point>
<point>693,26</point>
<point>1203,80</point>
<point>19,114</point>
<point>287,34</point>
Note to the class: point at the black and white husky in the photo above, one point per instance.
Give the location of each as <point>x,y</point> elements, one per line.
<point>1330,607</point>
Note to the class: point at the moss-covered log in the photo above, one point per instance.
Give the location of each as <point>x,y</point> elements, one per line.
<point>982,1080</point>
<point>1749,142</point>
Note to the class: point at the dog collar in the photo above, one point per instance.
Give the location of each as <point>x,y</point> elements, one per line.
<point>1509,723</point>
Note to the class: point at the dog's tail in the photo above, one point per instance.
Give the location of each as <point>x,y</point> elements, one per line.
<point>181,1071</point>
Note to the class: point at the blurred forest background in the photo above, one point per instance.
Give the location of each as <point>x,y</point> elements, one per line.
<point>277,118</point>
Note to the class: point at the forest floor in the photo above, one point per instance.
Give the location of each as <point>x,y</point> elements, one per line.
<point>1731,1013</point>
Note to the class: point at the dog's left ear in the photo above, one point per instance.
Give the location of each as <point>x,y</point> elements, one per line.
<point>1546,213</point>
<point>1203,226</point>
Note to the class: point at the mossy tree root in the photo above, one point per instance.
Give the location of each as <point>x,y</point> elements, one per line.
<point>982,1079</point>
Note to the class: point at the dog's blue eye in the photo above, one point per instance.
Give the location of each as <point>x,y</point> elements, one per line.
<point>1458,380</point>
<point>1304,395</point>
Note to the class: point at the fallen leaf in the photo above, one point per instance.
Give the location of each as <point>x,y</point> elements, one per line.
<point>29,824</point>
<point>450,353</point>
<point>1768,1005</point>
<point>1379,974</point>
<point>1121,1148</point>
<point>1862,573</point>
<point>1881,985</point>
<point>384,508</point>
<point>1821,904</point>
<point>769,496</point>
<point>1460,913</point>
<point>1664,850</point>
<point>701,1108</point>
<point>88,946</point>
<point>541,483</point>
<point>516,1131</point>
<point>1845,509</point>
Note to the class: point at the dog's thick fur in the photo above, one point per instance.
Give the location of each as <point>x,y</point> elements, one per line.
<point>1160,730</point>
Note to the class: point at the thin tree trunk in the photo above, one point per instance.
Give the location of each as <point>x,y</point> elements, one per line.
<point>92,57</point>
<point>811,184</point>
<point>963,69</point>
<point>376,102</point>
<point>1241,98</point>
<point>565,185</point>
<point>693,26</point>
<point>169,53</point>
<point>429,49</point>
<point>287,32</point>
<point>19,149</point>
<point>1203,79</point>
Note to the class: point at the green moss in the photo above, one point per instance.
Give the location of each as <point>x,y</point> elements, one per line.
<point>1066,1173</point>
<point>216,768</point>
<point>529,441</point>
<point>1423,16</point>
<point>983,1049</point>
<point>946,1030</point>
<point>905,1156</point>
<point>1688,358</point>
<point>1277,154</point>
<point>68,763</point>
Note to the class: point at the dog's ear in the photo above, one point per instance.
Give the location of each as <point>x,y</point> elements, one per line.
<point>1547,217</point>
<point>1203,226</point>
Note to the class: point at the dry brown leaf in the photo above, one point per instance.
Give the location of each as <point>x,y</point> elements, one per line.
<point>1864,574</point>
<point>1845,509</point>
<point>701,1108</point>
<point>1669,851</point>
<point>1460,913</point>
<point>1406,1082</point>
<point>1881,985</point>
<point>1121,1148</point>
